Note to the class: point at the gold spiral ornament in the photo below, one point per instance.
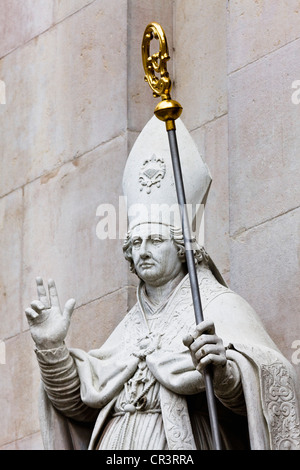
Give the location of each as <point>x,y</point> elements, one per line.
<point>157,76</point>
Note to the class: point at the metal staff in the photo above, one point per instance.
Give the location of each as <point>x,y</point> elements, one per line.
<point>168,111</point>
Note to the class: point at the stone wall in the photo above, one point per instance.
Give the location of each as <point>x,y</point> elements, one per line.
<point>264,165</point>
<point>75,102</point>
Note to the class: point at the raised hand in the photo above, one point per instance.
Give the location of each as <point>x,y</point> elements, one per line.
<point>48,323</point>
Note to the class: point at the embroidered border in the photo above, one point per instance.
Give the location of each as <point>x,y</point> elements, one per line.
<point>281,407</point>
<point>176,421</point>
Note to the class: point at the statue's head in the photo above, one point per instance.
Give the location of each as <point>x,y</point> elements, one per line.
<point>156,252</point>
<point>152,207</point>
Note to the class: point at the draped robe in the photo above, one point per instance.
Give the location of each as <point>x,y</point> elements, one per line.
<point>257,403</point>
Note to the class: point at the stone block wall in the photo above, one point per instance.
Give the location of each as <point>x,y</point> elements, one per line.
<point>201,88</point>
<point>76,101</point>
<point>264,164</point>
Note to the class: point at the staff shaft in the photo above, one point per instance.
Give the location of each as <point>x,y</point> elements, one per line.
<point>211,403</point>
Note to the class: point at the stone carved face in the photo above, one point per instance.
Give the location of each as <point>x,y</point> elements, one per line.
<point>154,254</point>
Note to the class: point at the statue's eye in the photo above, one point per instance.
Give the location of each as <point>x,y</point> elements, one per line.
<point>156,241</point>
<point>136,242</point>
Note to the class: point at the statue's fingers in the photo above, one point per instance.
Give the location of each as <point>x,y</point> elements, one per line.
<point>54,301</point>
<point>206,326</point>
<point>211,358</point>
<point>41,291</point>
<point>69,308</point>
<point>31,314</point>
<point>206,350</point>
<point>205,361</point>
<point>37,306</point>
<point>187,340</point>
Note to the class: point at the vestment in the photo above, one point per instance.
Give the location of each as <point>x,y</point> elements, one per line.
<point>262,379</point>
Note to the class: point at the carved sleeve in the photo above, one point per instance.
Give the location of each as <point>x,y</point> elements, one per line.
<point>62,384</point>
<point>230,390</point>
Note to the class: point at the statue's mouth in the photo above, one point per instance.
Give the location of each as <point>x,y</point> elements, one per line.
<point>146,265</point>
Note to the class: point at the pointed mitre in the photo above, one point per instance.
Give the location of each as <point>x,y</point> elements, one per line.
<point>148,181</point>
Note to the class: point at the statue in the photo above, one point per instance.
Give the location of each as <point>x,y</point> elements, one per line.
<point>144,388</point>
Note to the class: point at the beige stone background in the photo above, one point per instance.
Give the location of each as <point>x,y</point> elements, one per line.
<point>75,102</point>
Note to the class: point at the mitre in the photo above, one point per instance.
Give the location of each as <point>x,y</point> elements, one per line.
<point>148,180</point>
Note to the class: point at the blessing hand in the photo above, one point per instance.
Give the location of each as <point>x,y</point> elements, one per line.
<point>48,323</point>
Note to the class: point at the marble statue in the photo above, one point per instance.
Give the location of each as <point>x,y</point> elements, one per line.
<point>144,388</point>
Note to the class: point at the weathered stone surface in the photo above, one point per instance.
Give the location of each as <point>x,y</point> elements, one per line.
<point>60,227</point>
<point>212,140</point>
<point>22,21</point>
<point>141,103</point>
<point>264,139</point>
<point>92,323</point>
<point>200,57</point>
<point>11,215</point>
<point>32,442</point>
<point>66,93</point>
<point>131,138</point>
<point>256,28</point>
<point>265,270</point>
<point>64,8</point>
<point>19,385</point>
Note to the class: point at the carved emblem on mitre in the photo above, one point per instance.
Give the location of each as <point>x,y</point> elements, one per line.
<point>152,172</point>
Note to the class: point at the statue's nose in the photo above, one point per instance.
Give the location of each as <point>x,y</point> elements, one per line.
<point>144,250</point>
